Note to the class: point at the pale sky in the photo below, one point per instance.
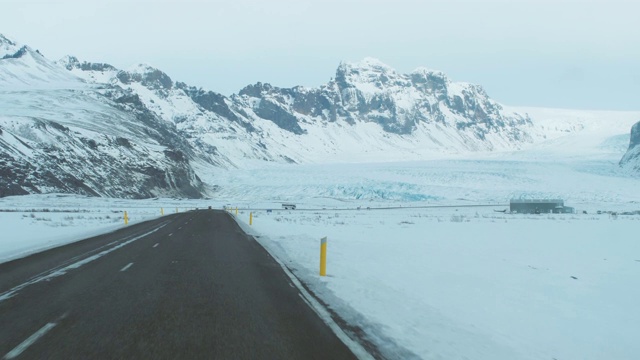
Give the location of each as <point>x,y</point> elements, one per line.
<point>563,53</point>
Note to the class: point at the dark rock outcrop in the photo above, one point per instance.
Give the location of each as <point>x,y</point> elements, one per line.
<point>631,159</point>
<point>147,76</point>
<point>18,54</point>
<point>270,110</point>
<point>71,62</point>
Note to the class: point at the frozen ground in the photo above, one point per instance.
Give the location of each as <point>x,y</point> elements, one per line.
<point>471,283</point>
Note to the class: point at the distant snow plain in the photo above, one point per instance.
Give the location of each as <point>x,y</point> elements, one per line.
<point>410,264</point>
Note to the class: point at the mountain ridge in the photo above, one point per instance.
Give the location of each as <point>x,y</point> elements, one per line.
<point>367,112</point>
<point>295,109</point>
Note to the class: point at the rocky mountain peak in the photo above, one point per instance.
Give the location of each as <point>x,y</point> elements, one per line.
<point>4,41</point>
<point>256,90</point>
<point>69,62</point>
<point>147,75</point>
<point>368,64</point>
<point>370,91</point>
<point>370,74</point>
<point>10,49</point>
<point>429,80</point>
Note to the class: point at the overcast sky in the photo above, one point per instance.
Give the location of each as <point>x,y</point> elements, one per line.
<point>563,53</point>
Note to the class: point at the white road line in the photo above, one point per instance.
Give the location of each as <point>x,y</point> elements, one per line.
<point>180,228</point>
<point>126,267</point>
<point>63,269</point>
<point>156,245</point>
<point>32,339</point>
<point>170,234</point>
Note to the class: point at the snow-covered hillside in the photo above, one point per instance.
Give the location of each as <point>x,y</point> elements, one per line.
<point>59,133</point>
<point>22,68</point>
<point>577,134</point>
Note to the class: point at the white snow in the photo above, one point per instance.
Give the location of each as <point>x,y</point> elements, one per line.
<point>471,284</point>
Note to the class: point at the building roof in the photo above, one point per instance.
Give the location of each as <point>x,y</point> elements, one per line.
<point>537,201</point>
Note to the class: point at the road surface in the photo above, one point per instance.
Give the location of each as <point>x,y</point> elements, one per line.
<point>184,286</point>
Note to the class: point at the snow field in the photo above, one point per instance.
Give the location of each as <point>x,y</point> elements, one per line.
<point>471,284</point>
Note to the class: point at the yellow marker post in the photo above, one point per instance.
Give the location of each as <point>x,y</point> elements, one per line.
<point>176,210</point>
<point>250,218</point>
<point>236,211</point>
<point>161,211</point>
<point>323,256</point>
<point>126,218</point>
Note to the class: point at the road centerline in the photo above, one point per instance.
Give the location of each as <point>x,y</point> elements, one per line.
<point>29,341</point>
<point>126,267</point>
<point>60,271</point>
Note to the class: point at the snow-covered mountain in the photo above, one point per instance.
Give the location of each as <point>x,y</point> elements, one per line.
<point>631,159</point>
<point>74,126</point>
<point>23,68</point>
<point>403,104</point>
<point>368,112</point>
<point>60,134</point>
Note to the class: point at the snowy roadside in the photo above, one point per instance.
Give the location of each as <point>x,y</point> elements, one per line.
<point>471,283</point>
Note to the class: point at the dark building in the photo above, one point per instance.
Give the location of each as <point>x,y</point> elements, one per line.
<point>539,206</point>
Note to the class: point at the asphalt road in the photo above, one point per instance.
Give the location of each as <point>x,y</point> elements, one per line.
<point>184,286</point>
